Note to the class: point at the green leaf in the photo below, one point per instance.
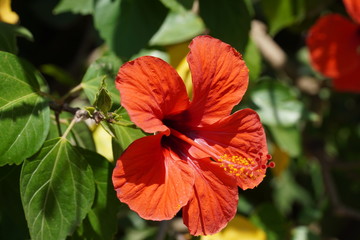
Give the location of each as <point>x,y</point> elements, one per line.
<point>283,13</point>
<point>178,27</point>
<point>288,139</point>
<point>278,103</point>
<point>228,20</point>
<point>268,218</point>
<point>106,66</point>
<point>124,136</point>
<point>57,190</point>
<point>287,191</point>
<point>280,109</point>
<point>101,222</point>
<point>175,5</point>
<point>103,100</point>
<point>152,52</point>
<point>128,25</point>
<point>252,59</point>
<point>24,114</point>
<point>8,34</point>
<point>79,6</point>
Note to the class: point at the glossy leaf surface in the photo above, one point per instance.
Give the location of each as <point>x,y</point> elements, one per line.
<point>57,190</point>
<point>24,113</point>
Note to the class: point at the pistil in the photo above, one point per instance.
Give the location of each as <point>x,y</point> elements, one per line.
<point>185,138</point>
<point>236,165</point>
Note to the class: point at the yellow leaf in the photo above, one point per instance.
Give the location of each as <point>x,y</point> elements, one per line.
<point>184,72</point>
<point>238,228</point>
<point>281,159</point>
<point>6,14</point>
<point>178,53</point>
<point>103,143</point>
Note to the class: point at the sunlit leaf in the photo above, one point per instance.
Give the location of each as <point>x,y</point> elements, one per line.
<point>278,104</point>
<point>228,20</point>
<point>79,6</point>
<point>178,27</point>
<point>103,142</point>
<point>282,13</point>
<point>178,5</point>
<point>105,67</point>
<point>57,190</point>
<point>303,233</point>
<point>280,109</point>
<point>151,52</point>
<point>8,34</point>
<point>128,25</point>
<point>24,113</point>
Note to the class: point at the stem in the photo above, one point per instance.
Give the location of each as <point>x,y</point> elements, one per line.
<point>44,94</point>
<point>57,119</point>
<point>72,91</point>
<point>69,127</point>
<point>164,225</point>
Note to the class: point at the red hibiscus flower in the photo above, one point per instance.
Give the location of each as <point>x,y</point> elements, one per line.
<point>198,154</point>
<point>334,45</point>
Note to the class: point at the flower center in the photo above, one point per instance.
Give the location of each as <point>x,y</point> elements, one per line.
<point>245,167</point>
<point>235,165</point>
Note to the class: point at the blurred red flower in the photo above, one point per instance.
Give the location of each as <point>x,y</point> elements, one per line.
<point>199,153</point>
<point>334,45</point>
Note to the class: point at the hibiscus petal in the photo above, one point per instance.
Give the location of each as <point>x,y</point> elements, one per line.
<point>215,199</point>
<point>349,82</point>
<point>220,79</point>
<point>150,90</point>
<point>240,134</point>
<point>333,44</point>
<point>152,180</point>
<point>353,8</point>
